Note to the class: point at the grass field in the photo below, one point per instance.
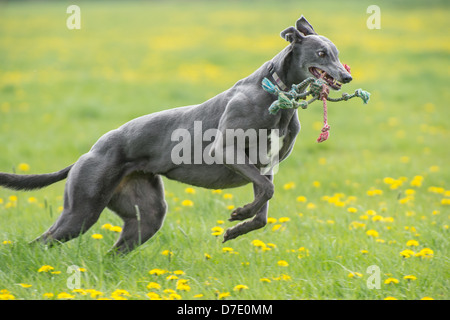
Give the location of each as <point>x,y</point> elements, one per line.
<point>377,193</point>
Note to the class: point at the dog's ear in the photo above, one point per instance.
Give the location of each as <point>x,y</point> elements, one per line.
<point>292,35</point>
<point>304,27</point>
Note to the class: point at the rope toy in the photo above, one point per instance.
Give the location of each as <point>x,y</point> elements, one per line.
<point>318,89</point>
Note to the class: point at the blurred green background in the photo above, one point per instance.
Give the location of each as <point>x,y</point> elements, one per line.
<point>61,89</point>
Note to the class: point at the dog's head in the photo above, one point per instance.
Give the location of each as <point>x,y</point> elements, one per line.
<point>315,55</point>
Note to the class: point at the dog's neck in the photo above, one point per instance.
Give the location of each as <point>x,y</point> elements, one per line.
<point>285,68</point>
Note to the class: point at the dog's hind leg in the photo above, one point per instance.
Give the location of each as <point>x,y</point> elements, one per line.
<point>89,188</point>
<point>139,201</point>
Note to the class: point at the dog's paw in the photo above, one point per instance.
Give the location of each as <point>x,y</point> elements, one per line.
<point>230,234</point>
<point>241,213</point>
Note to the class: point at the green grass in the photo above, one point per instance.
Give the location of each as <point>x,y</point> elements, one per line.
<point>60,90</point>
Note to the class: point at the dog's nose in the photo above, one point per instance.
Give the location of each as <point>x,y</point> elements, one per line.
<point>346,78</point>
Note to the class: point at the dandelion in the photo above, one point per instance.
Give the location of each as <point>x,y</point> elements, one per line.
<point>153,296</point>
<point>187,203</point>
<point>171,277</point>
<point>48,295</point>
<point>6,295</point>
<point>289,186</point>
<point>240,287</point>
<point>417,181</point>
<point>153,285</point>
<point>167,253</point>
<point>216,191</point>
<point>364,251</point>
<point>372,233</point>
<point>258,244</point>
<point>107,226</point>
<point>425,253</point>
<point>390,298</point>
<point>316,184</point>
<point>407,253</point>
<point>352,210</point>
<point>32,200</point>
<point>25,285</point>
<point>13,198</point>
<point>216,231</point>
<point>265,280</point>
<point>310,206</point>
<point>157,272</point>
<point>182,285</point>
<point>284,219</point>
<point>179,272</point>
<point>410,278</point>
<point>97,236</point>
<point>353,274</point>
<point>301,199</point>
<point>207,256</point>
<point>189,190</point>
<point>303,252</point>
<point>199,295</point>
<point>229,250</point>
<point>271,220</point>
<point>427,298</point>
<point>120,294</point>
<point>230,207</point>
<point>116,229</point>
<point>24,167</point>
<point>391,280</point>
<point>94,293</point>
<point>45,268</point>
<point>282,263</point>
<point>412,243</point>
<point>276,227</point>
<point>7,242</point>
<point>223,295</point>
<point>64,296</point>
<point>228,196</point>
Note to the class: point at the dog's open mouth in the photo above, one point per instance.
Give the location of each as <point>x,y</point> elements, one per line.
<point>320,74</point>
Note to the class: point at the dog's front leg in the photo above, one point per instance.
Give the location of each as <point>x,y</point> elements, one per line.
<point>263,191</point>
<point>260,218</point>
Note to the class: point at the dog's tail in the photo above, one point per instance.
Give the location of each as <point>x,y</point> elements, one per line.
<point>32,181</point>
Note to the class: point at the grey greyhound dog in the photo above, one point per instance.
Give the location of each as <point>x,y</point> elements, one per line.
<point>123,169</point>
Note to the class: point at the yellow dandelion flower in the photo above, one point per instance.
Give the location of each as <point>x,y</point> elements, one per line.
<point>228,196</point>
<point>240,287</point>
<point>97,236</point>
<point>282,263</point>
<point>153,296</point>
<point>216,231</point>
<point>179,272</point>
<point>412,243</point>
<point>223,295</point>
<point>427,298</point>
<point>390,298</point>
<point>289,186</point>
<point>32,200</point>
<point>23,167</point>
<point>301,199</point>
<point>372,233</point>
<point>410,277</point>
<point>199,295</point>
<point>425,253</point>
<point>265,280</point>
<point>25,285</point>
<point>284,219</point>
<point>171,277</point>
<point>107,226</point>
<point>207,256</point>
<point>216,191</point>
<point>407,253</point>
<point>316,184</point>
<point>276,227</point>
<point>187,203</point>
<point>167,253</point>
<point>157,272</point>
<point>116,229</point>
<point>391,280</point>
<point>271,220</point>
<point>65,295</point>
<point>258,243</point>
<point>310,206</point>
<point>45,268</point>
<point>352,210</point>
<point>7,242</point>
<point>230,207</point>
<point>13,198</point>
<point>153,285</point>
<point>189,190</point>
<point>48,295</point>
<point>228,250</point>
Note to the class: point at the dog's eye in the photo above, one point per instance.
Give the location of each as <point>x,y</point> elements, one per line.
<point>321,54</point>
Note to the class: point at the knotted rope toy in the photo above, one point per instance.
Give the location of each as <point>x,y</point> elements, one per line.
<point>318,89</point>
